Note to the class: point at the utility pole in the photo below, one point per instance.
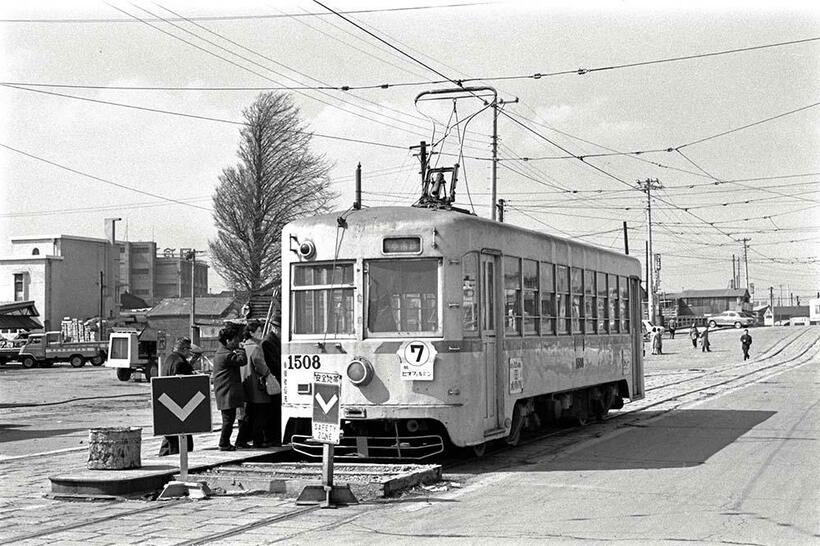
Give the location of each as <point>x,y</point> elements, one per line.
<point>501,203</point>
<point>626,240</point>
<point>647,186</point>
<point>746,260</point>
<point>771,302</point>
<point>191,255</point>
<point>102,304</point>
<point>734,273</point>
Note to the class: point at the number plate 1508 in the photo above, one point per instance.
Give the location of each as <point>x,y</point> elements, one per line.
<point>303,362</point>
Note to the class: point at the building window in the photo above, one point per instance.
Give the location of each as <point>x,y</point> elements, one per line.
<point>35,252</point>
<point>547,286</point>
<point>19,287</point>
<point>512,295</point>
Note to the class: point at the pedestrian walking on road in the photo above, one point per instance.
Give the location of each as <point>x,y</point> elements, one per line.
<point>178,363</point>
<point>653,336</point>
<point>657,341</point>
<point>257,400</point>
<point>272,349</point>
<point>704,341</point>
<point>745,343</point>
<point>672,327</point>
<point>228,391</point>
<point>693,335</point>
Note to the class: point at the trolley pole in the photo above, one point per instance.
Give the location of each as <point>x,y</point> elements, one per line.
<point>500,206</point>
<point>647,186</point>
<point>357,202</point>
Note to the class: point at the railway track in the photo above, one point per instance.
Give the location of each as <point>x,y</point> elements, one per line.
<point>791,352</point>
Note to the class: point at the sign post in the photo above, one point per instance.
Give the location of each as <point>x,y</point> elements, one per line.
<point>181,405</point>
<point>326,428</point>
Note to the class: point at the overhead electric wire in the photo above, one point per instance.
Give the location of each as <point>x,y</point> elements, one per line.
<point>252,17</point>
<point>195,116</point>
<point>103,180</point>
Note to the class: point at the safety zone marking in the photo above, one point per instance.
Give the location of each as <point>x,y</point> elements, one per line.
<point>326,406</point>
<point>184,412</point>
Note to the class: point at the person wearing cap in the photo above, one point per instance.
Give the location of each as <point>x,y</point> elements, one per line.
<point>272,349</point>
<point>178,363</point>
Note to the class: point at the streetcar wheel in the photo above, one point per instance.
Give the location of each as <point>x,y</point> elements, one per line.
<point>76,361</point>
<point>29,362</point>
<point>123,374</point>
<point>712,324</point>
<point>738,325</point>
<point>515,429</point>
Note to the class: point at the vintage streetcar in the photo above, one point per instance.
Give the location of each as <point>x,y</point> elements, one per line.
<point>450,329</point>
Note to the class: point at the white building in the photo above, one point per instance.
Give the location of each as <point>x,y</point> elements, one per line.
<point>814,310</point>
<point>61,274</point>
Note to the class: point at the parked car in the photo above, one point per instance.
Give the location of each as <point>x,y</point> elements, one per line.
<point>10,350</point>
<point>800,321</point>
<point>731,318</point>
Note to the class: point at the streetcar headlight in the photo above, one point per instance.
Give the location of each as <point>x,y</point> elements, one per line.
<point>360,372</point>
<point>307,250</point>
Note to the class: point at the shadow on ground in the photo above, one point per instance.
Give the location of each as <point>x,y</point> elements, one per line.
<point>14,433</point>
<point>681,439</point>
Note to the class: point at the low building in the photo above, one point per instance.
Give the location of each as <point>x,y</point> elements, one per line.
<point>172,316</point>
<point>814,310</point>
<point>699,303</point>
<point>17,317</point>
<point>62,275</point>
<point>153,276</point>
<point>783,313</point>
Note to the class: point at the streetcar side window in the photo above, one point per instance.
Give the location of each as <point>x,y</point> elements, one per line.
<point>469,293</point>
<point>322,299</point>
<point>602,304</point>
<point>624,301</point>
<point>613,303</point>
<point>402,296</point>
<point>589,302</point>
<point>547,285</point>
<point>512,295</point>
<point>530,274</point>
<point>576,278</point>
<point>561,297</point>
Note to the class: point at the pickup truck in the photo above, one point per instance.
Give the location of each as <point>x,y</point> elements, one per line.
<point>9,350</point>
<point>46,349</point>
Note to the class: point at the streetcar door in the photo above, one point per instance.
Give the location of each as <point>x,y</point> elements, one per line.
<point>489,322</point>
<point>635,338</point>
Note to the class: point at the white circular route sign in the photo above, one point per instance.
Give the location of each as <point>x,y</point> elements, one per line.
<point>417,359</point>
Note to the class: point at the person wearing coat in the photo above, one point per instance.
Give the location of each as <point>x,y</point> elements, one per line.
<point>228,390</point>
<point>693,335</point>
<point>257,400</point>
<point>272,349</point>
<point>745,343</point>
<point>657,342</point>
<point>704,340</point>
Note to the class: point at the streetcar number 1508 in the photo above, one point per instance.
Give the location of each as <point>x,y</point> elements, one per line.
<point>303,362</point>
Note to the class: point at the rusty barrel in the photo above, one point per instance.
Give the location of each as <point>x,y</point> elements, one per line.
<point>114,448</point>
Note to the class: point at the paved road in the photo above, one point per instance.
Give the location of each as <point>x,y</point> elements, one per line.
<point>719,452</point>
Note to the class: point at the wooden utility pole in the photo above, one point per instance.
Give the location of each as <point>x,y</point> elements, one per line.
<point>500,205</point>
<point>647,186</point>
<point>746,260</point>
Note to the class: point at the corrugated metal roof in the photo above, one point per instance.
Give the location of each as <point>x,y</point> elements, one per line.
<point>205,306</point>
<point>24,308</point>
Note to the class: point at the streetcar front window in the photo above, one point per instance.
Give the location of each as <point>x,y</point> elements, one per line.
<point>322,299</point>
<point>402,296</point>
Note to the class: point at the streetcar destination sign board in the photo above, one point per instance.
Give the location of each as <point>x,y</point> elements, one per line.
<point>417,358</point>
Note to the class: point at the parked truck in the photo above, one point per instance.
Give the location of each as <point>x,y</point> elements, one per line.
<point>45,349</point>
<point>134,350</point>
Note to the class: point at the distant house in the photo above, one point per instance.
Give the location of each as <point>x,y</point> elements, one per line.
<point>173,317</point>
<point>786,312</point>
<point>18,316</point>
<point>695,303</point>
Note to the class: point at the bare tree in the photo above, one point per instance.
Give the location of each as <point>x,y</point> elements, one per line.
<point>277,180</point>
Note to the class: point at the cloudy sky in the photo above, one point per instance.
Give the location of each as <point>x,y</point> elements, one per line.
<point>132,110</point>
